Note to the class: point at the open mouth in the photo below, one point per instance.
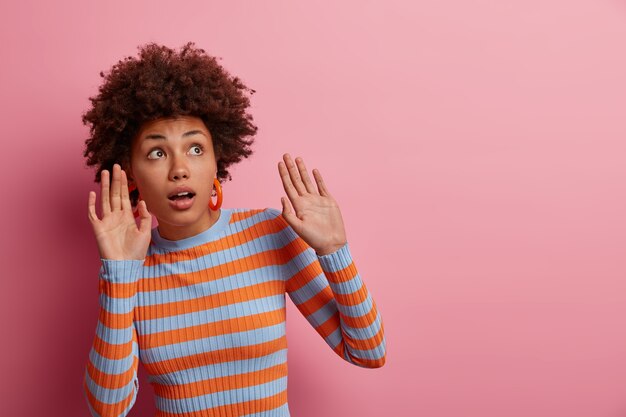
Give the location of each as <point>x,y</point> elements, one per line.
<point>182,196</point>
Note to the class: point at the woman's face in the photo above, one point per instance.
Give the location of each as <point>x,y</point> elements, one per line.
<point>169,153</point>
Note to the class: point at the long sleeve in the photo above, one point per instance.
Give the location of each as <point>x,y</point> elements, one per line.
<point>329,292</point>
<point>110,381</point>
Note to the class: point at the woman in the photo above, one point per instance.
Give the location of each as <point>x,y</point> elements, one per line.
<point>200,299</point>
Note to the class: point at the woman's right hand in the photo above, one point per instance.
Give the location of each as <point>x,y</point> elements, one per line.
<point>117,234</point>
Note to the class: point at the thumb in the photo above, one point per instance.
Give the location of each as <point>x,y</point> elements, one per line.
<point>145,223</point>
<point>288,213</point>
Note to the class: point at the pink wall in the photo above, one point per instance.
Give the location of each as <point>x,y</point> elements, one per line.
<point>476,149</point>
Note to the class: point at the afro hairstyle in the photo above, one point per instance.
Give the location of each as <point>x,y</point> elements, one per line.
<point>163,83</point>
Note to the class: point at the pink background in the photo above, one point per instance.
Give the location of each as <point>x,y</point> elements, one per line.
<point>476,149</point>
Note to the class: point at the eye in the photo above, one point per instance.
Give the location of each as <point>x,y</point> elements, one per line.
<point>156,152</point>
<point>197,149</point>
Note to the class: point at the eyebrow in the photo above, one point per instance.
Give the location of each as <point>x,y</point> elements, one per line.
<point>186,134</point>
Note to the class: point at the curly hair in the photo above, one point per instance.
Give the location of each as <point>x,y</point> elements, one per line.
<point>165,83</point>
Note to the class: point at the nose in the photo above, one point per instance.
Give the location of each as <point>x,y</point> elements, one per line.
<point>179,170</point>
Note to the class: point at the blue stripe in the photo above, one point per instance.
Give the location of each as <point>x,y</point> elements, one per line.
<point>189,405</point>
<point>114,336</point>
<point>334,338</point>
<point>323,313</point>
<point>355,335</point>
<point>337,260</point>
<point>357,310</point>
<point>120,271</point>
<point>346,356</point>
<point>373,354</point>
<point>282,411</point>
<point>124,413</point>
<point>118,305</point>
<point>359,333</point>
<point>209,344</point>
<point>113,366</point>
<point>331,308</point>
<point>201,373</point>
<point>212,315</point>
<point>106,395</point>
<point>365,332</point>
<point>93,412</point>
<point>347,287</point>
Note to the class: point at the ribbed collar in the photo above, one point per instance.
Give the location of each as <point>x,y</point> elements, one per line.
<point>199,239</point>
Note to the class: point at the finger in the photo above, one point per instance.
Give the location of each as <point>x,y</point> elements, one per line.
<point>292,193</point>
<point>124,193</point>
<point>145,223</point>
<point>286,208</point>
<point>104,192</point>
<point>288,214</point>
<point>294,174</point>
<point>305,176</point>
<point>91,207</point>
<point>320,183</point>
<point>116,203</point>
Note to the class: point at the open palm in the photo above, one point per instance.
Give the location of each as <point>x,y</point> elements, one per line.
<point>315,216</point>
<point>117,233</point>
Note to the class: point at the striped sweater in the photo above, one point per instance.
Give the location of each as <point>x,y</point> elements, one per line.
<point>205,316</point>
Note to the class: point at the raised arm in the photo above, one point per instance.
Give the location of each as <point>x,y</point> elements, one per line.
<point>322,279</point>
<point>110,381</point>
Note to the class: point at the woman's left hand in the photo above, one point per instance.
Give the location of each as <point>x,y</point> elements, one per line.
<point>316,219</point>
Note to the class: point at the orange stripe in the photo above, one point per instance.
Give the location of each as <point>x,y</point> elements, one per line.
<point>251,292</point>
<point>342,275</point>
<point>361,321</point>
<point>118,290</point>
<point>316,302</point>
<point>354,298</point>
<point>216,356</point>
<point>110,351</point>
<point>304,276</point>
<point>323,297</point>
<point>295,247</point>
<point>370,363</point>
<point>333,323</point>
<point>115,320</point>
<point>112,381</point>
<point>242,215</point>
<point>238,409</point>
<point>238,324</point>
<point>329,326</point>
<point>237,266</point>
<point>258,230</point>
<point>108,409</point>
<point>223,383</point>
<point>365,344</point>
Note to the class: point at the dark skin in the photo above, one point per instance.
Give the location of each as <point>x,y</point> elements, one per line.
<point>309,209</point>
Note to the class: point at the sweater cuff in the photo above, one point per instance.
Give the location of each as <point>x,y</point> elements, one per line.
<point>121,271</point>
<point>337,260</point>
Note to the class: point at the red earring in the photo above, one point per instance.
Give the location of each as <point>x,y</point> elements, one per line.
<point>218,190</point>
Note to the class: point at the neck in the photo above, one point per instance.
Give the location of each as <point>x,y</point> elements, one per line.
<point>176,232</point>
